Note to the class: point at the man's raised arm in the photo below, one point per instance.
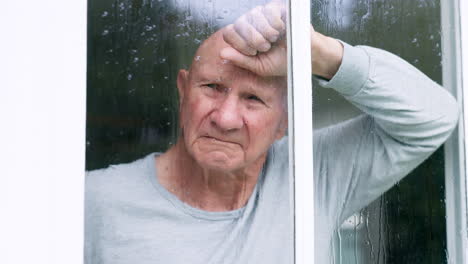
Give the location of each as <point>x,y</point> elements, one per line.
<point>408,115</point>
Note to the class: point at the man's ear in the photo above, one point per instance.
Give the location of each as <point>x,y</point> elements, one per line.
<point>182,83</point>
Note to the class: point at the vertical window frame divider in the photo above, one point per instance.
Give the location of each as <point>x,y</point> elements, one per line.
<point>300,129</point>
<point>455,149</point>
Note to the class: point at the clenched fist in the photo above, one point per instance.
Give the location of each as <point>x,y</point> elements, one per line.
<point>257,43</point>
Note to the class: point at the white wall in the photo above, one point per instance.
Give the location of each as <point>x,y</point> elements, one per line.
<point>42,115</point>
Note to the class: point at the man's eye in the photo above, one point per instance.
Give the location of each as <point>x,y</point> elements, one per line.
<point>212,86</point>
<point>254,98</point>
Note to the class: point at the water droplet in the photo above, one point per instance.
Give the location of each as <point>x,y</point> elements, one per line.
<point>104,14</point>
<point>197,58</point>
<point>136,59</point>
<point>148,28</point>
<point>129,77</point>
<point>105,32</point>
<point>414,40</point>
<point>166,77</point>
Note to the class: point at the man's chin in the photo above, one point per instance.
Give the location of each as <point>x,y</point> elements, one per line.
<point>218,161</point>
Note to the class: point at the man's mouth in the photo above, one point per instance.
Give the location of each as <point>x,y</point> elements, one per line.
<point>215,139</point>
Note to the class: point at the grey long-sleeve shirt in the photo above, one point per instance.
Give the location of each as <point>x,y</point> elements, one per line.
<point>408,117</point>
<point>131,218</point>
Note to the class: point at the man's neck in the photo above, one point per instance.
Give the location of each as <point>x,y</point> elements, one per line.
<point>205,189</point>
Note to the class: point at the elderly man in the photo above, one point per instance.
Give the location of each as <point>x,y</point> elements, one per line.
<point>221,193</point>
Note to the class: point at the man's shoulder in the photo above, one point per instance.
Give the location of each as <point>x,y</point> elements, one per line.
<point>116,179</point>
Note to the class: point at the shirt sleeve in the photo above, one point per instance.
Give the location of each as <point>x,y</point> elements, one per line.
<point>407,117</point>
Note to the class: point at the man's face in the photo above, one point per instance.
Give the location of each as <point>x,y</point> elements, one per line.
<point>229,116</point>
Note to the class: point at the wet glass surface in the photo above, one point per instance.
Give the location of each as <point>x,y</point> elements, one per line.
<point>407,224</point>
<point>135,49</point>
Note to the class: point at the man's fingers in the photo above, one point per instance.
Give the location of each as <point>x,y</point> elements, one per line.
<point>256,18</point>
<point>247,62</point>
<point>250,35</point>
<point>257,31</point>
<point>275,13</point>
<point>231,37</point>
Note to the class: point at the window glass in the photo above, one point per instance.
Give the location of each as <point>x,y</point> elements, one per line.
<point>217,188</point>
<point>135,49</point>
<point>407,223</point>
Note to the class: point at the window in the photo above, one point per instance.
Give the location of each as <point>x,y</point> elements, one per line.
<point>137,94</point>
<point>42,107</point>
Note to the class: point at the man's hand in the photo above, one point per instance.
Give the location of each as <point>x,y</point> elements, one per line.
<point>257,41</point>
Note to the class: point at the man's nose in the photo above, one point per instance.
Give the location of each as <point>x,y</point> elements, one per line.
<point>227,116</point>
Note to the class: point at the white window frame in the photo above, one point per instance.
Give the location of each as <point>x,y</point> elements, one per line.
<point>300,129</point>
<point>455,78</point>
<point>42,105</point>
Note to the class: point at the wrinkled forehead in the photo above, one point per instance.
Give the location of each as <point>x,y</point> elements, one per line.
<point>213,70</point>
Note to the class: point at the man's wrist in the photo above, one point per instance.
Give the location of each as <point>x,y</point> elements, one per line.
<point>327,55</point>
